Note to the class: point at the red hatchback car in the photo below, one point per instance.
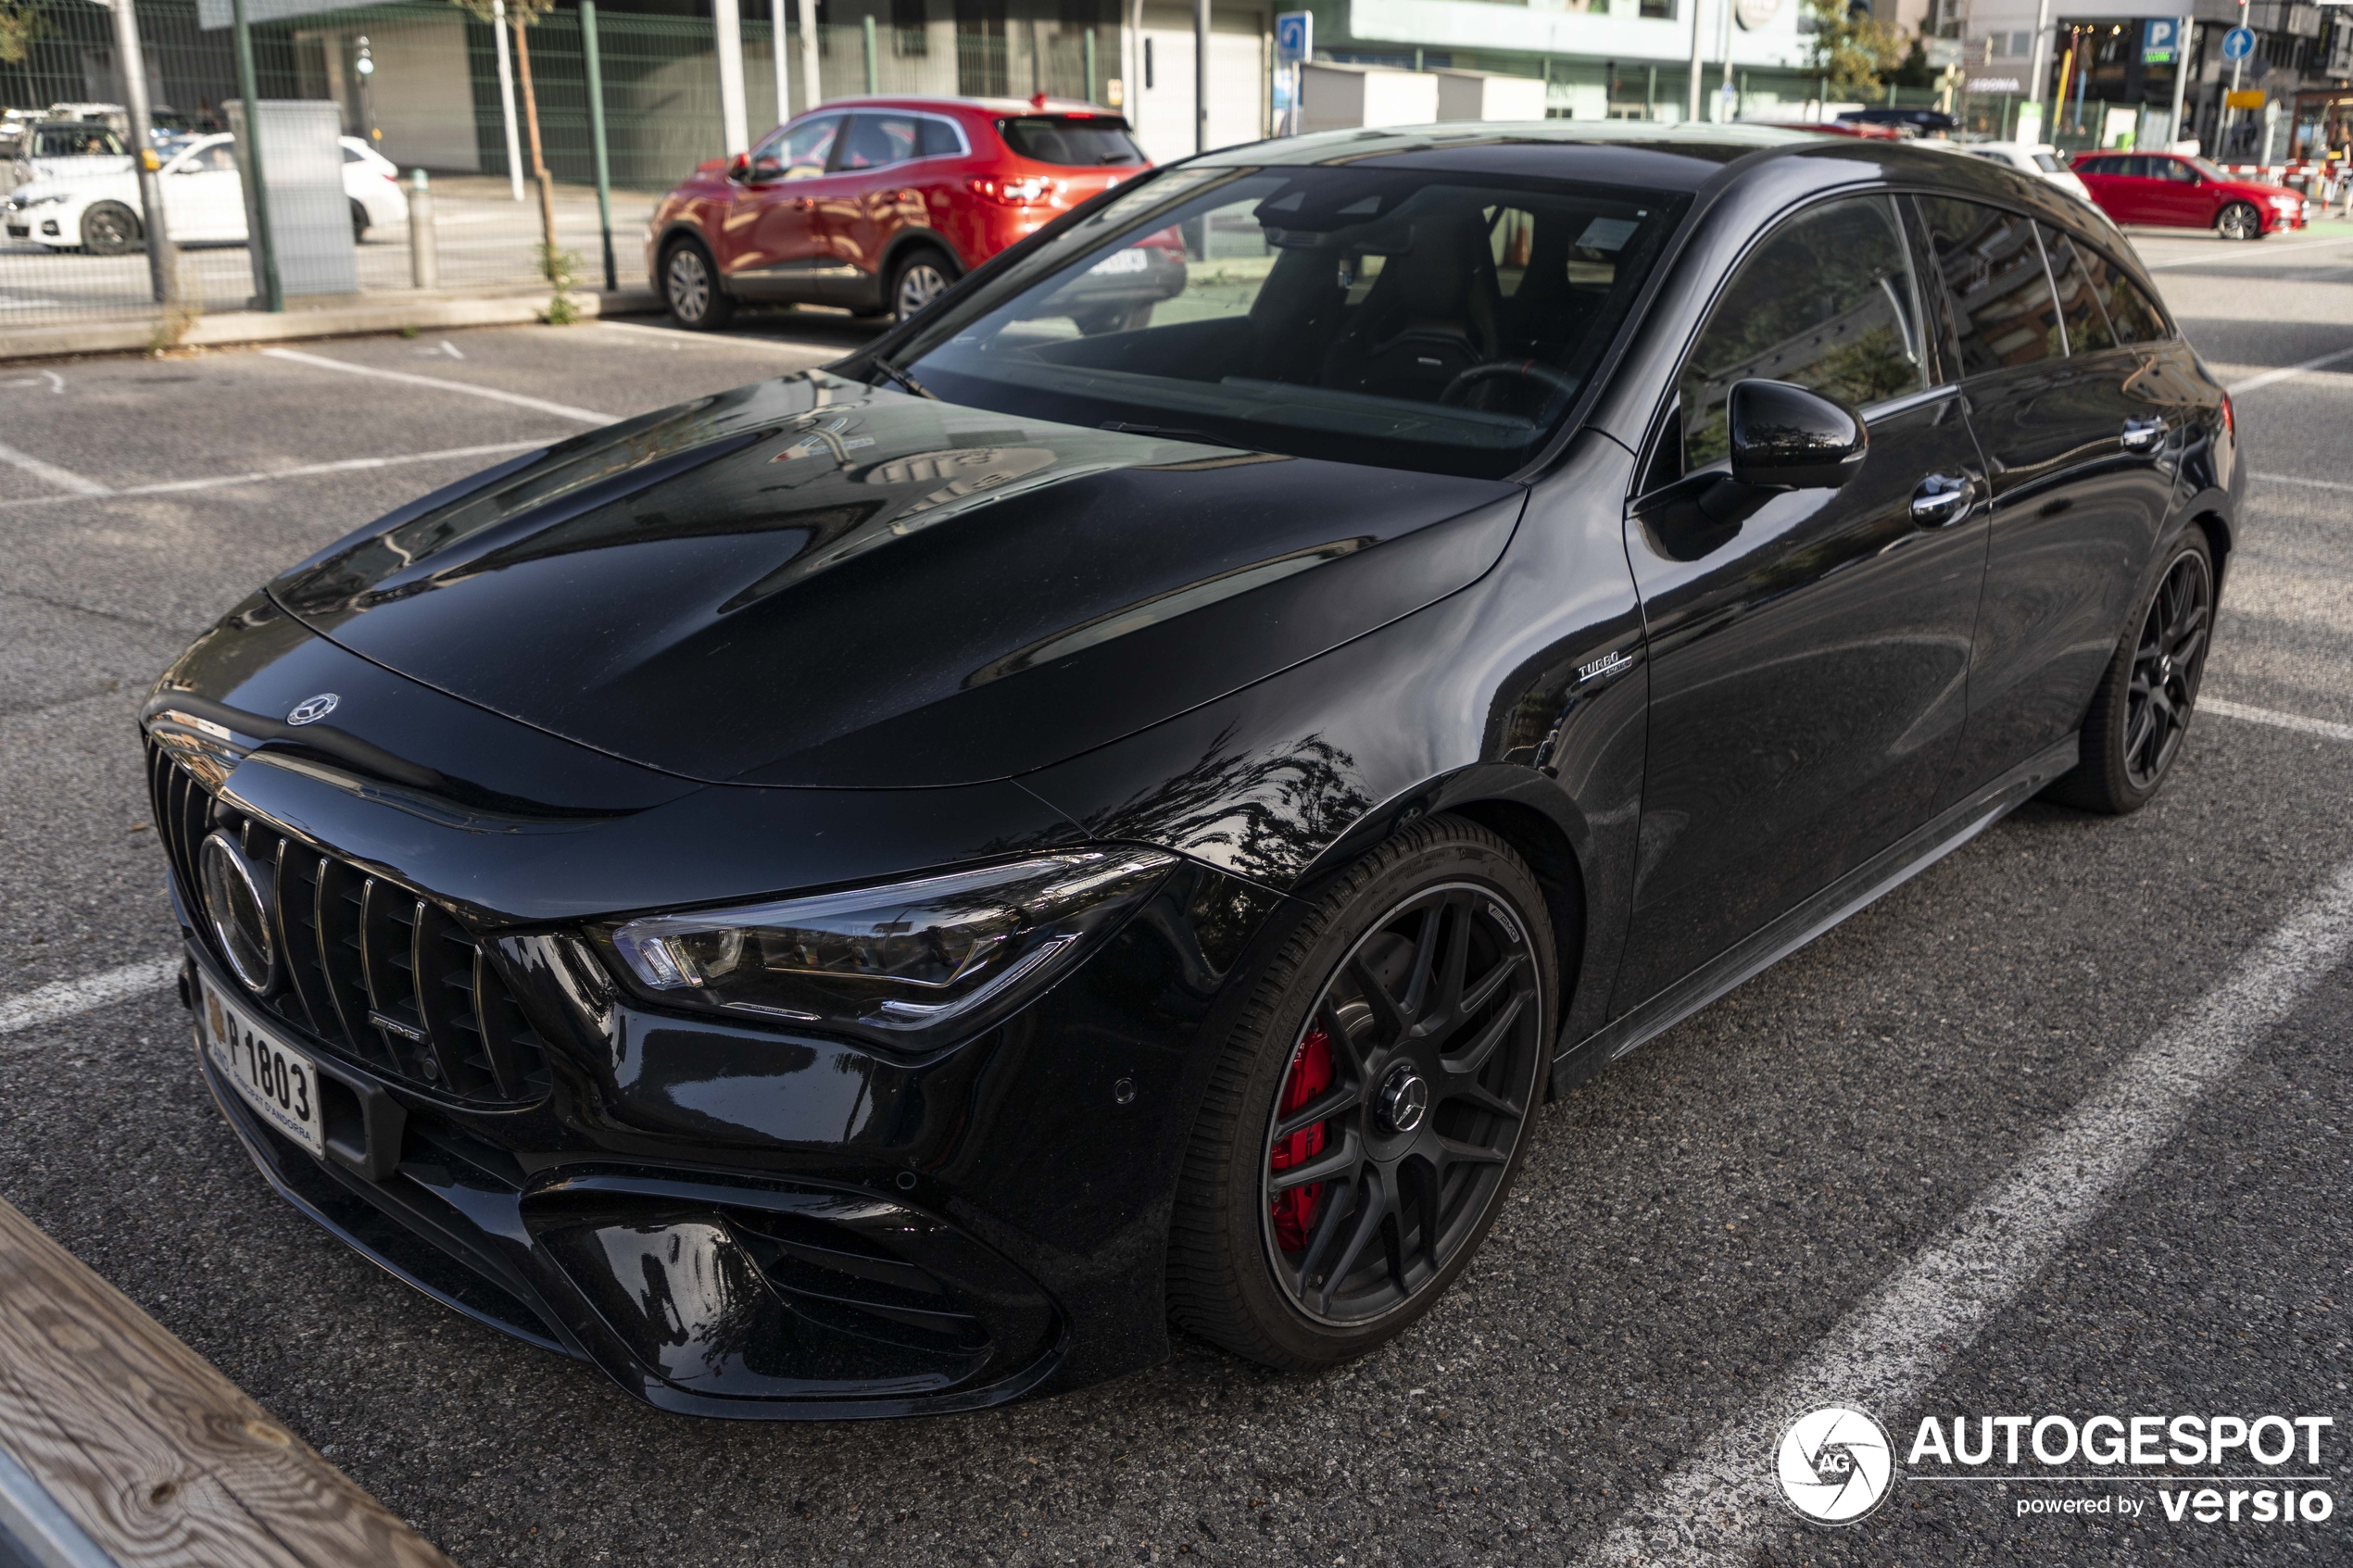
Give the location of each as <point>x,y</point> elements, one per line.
<point>878,203</point>
<point>2170,190</point>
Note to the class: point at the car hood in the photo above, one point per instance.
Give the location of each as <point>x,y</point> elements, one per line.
<point>812,582</point>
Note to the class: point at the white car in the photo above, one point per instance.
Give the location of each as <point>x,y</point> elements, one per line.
<point>204,201</point>
<point>2040,158</point>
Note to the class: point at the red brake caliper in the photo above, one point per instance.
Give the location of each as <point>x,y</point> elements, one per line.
<point>1311,1074</point>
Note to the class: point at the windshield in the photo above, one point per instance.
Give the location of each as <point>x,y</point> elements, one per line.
<point>1408,319</point>
<point>1083,142</point>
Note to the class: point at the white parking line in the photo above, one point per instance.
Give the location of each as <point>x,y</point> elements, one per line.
<point>561,410</point>
<point>2238,254</point>
<point>2288,371</point>
<point>2295,722</point>
<point>1718,1506</point>
<point>715,340</point>
<point>46,1004</point>
<point>2298,478</point>
<point>264,476</point>
<point>64,479</point>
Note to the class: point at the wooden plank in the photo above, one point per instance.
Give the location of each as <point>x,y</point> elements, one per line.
<point>161,1459</point>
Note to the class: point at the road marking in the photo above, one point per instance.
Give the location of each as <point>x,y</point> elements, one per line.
<point>712,340</point>
<point>561,410</point>
<point>2297,479</point>
<point>64,479</point>
<point>54,381</point>
<point>46,1004</point>
<point>1717,1505</point>
<point>2285,371</point>
<point>264,476</point>
<point>2295,722</point>
<point>2236,255</point>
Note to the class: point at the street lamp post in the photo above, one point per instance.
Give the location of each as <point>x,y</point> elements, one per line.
<point>163,270</point>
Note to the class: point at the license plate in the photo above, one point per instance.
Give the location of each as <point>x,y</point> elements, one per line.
<point>1130,260</point>
<point>277,1081</point>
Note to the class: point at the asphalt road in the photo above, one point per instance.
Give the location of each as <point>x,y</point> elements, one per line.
<point>1693,1232</point>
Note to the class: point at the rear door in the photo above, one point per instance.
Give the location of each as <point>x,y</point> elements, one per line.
<point>877,155</point>
<point>1808,648</point>
<point>2077,452</point>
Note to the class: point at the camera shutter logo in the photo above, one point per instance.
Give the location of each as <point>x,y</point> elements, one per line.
<point>310,710</point>
<point>1835,1465</point>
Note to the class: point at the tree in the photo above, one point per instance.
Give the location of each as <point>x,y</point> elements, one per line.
<point>1853,50</point>
<point>20,23</point>
<point>521,14</point>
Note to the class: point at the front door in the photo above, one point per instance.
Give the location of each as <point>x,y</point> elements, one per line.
<point>1808,648</point>
<point>773,236</point>
<point>2078,446</point>
<point>203,198</point>
<point>2177,195</point>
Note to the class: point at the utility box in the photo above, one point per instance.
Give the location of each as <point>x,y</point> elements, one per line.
<point>1336,97</point>
<point>309,210</point>
<point>1488,94</point>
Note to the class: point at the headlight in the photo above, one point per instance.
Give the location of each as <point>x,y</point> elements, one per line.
<point>911,964</point>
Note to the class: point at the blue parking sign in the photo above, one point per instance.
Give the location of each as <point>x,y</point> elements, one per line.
<point>2238,43</point>
<point>2160,38</point>
<point>1294,37</point>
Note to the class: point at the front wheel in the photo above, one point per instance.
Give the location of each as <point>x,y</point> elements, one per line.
<point>110,229</point>
<point>2142,710</point>
<point>1367,1111</point>
<point>690,287</point>
<point>2239,221</point>
<point>359,223</point>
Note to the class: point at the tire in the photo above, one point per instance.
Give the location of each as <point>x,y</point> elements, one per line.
<point>1113,319</point>
<point>920,277</point>
<point>358,224</point>
<point>2132,735</point>
<point>2239,221</point>
<point>110,229</point>
<point>1301,1275</point>
<point>690,287</point>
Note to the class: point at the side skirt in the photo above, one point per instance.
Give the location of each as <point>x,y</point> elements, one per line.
<point>1890,868</point>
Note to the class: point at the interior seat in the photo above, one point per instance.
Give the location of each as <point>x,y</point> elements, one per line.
<point>1429,317</point>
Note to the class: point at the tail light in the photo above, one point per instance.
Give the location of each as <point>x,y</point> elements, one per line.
<point>1015,192</point>
<point>2230,420</point>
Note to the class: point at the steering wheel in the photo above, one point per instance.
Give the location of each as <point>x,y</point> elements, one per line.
<point>1459,389</point>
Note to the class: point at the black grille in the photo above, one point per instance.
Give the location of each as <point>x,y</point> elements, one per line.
<point>364,964</point>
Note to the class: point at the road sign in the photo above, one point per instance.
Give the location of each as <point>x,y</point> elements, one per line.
<point>1294,37</point>
<point>2238,43</point>
<point>2252,98</point>
<point>2159,37</point>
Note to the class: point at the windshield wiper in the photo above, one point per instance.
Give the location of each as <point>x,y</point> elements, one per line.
<point>1173,434</point>
<point>902,377</point>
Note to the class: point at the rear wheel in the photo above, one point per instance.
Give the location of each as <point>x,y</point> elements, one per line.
<point>690,287</point>
<point>2239,221</point>
<point>110,229</point>
<point>359,223</point>
<point>921,277</point>
<point>1367,1112</point>
<point>2142,710</point>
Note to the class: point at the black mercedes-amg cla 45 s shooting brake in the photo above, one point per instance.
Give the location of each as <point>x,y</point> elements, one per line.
<point>878,892</point>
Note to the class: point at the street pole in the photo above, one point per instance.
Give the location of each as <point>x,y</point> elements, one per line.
<point>809,91</point>
<point>776,58</point>
<point>2038,73</point>
<point>2180,73</point>
<point>727,34</point>
<point>1200,76</point>
<point>273,295</point>
<point>1697,66</point>
<point>507,95</point>
<point>597,121</point>
<point>163,272</point>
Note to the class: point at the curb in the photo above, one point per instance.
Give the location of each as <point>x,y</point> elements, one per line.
<point>343,318</point>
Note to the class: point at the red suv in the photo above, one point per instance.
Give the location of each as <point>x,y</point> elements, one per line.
<point>2170,190</point>
<point>878,203</point>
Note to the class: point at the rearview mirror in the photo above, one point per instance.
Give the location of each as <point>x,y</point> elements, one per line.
<point>1787,438</point>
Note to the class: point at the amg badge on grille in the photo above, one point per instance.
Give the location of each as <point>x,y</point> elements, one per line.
<point>310,710</point>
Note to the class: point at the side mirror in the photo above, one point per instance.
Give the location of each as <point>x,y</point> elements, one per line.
<point>1784,437</point>
<point>739,167</point>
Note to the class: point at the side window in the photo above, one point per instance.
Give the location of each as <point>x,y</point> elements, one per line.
<point>2133,315</point>
<point>877,141</point>
<point>2081,307</point>
<point>2096,166</point>
<point>800,152</point>
<point>1828,302</point>
<point>1993,270</point>
<point>938,139</point>
<point>2174,170</point>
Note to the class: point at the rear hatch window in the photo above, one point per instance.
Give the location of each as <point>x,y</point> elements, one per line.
<point>1071,141</point>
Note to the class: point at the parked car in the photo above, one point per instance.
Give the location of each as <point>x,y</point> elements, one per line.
<point>870,893</point>
<point>1918,121</point>
<point>879,204</point>
<point>203,198</point>
<point>2169,190</point>
<point>66,149</point>
<point>2041,159</point>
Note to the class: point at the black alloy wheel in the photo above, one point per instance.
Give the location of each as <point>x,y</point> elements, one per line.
<point>110,229</point>
<point>1367,1117</point>
<point>690,287</point>
<point>2133,733</point>
<point>2239,221</point>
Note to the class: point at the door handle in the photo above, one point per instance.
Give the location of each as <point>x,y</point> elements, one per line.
<point>804,203</point>
<point>1944,499</point>
<point>2139,435</point>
